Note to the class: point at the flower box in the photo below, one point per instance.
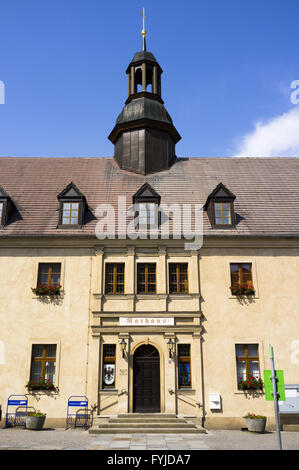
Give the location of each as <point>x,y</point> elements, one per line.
<point>243,289</point>
<point>252,383</point>
<point>41,385</point>
<point>45,289</point>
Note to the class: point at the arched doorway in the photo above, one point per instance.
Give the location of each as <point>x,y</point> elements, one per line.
<point>146,380</point>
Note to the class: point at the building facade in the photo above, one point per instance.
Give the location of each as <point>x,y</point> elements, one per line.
<point>103,297</point>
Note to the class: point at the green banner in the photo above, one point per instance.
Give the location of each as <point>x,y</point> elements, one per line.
<point>269,388</point>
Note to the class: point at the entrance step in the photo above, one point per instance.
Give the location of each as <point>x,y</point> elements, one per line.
<point>144,423</point>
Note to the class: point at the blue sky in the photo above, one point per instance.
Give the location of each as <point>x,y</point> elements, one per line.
<point>227,73</point>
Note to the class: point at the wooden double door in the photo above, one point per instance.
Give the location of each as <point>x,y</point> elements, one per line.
<point>146,380</point>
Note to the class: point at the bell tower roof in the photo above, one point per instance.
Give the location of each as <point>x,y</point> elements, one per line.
<point>143,56</point>
<point>144,135</point>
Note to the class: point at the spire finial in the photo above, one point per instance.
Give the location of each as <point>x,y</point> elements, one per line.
<point>143,32</point>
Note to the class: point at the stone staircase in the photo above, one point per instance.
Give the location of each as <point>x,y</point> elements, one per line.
<point>143,423</point>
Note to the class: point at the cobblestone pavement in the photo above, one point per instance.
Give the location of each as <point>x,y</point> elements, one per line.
<point>78,439</point>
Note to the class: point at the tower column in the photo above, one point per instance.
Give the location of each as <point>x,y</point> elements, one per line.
<point>155,80</point>
<point>143,66</point>
<point>132,80</point>
<point>129,84</point>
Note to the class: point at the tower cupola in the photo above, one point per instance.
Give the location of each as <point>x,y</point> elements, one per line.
<point>144,136</point>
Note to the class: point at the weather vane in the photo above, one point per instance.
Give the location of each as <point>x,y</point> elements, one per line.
<point>143,32</point>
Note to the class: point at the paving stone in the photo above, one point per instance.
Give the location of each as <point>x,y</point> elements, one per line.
<point>120,444</point>
<point>138,447</point>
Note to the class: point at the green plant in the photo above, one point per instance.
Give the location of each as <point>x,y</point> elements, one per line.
<point>41,384</point>
<point>45,289</point>
<point>36,413</point>
<point>254,416</point>
<point>252,383</point>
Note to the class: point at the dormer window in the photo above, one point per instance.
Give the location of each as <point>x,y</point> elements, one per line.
<point>146,202</point>
<point>220,207</point>
<point>72,207</point>
<point>6,207</point>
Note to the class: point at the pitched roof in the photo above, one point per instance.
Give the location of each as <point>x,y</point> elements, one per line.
<point>266,190</point>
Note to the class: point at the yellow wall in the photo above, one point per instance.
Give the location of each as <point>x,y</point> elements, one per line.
<point>85,317</point>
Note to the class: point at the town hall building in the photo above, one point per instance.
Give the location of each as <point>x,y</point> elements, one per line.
<point>105,294</point>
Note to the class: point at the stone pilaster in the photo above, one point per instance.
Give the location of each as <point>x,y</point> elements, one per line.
<point>123,374</point>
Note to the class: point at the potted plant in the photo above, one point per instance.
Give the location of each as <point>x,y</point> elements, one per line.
<point>41,385</point>
<point>35,420</point>
<point>255,423</point>
<point>45,289</point>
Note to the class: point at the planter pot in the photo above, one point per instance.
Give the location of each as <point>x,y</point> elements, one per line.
<point>35,422</point>
<point>256,425</point>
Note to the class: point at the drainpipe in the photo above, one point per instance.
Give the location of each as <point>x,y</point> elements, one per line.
<point>88,327</point>
<point>201,349</point>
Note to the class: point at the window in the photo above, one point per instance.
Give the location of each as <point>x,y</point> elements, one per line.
<point>43,362</point>
<point>241,274</point>
<point>108,366</point>
<point>178,278</point>
<point>222,213</point>
<point>146,278</point>
<point>247,362</point>
<point>184,364</point>
<point>70,215</point>
<point>115,278</point>
<point>147,215</point>
<point>48,273</point>
<point>1,210</point>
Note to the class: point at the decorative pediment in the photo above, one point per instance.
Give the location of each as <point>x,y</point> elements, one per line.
<point>71,192</point>
<point>220,192</point>
<point>146,194</point>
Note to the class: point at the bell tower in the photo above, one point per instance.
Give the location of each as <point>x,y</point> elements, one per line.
<point>144,136</point>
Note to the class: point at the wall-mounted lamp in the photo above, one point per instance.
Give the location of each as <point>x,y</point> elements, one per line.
<point>170,345</point>
<point>123,346</point>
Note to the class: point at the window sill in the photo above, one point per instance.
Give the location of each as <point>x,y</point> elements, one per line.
<point>150,296</point>
<point>115,296</point>
<point>69,227</point>
<point>252,392</point>
<point>184,295</point>
<point>108,390</point>
<point>186,390</point>
<point>43,392</point>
